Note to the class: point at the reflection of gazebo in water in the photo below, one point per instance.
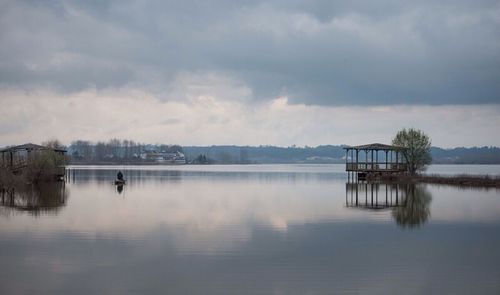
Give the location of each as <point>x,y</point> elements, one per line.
<point>374,195</point>
<point>409,202</point>
<point>374,159</point>
<point>34,199</point>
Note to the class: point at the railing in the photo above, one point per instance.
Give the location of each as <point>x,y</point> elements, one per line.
<point>381,166</point>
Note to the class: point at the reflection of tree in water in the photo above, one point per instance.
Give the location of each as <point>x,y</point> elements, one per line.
<point>35,199</point>
<point>415,208</point>
<point>409,203</point>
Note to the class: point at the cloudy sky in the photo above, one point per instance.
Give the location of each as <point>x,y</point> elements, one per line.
<point>250,72</point>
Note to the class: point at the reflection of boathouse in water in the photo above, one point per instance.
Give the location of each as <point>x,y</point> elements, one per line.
<point>409,203</point>
<point>34,199</point>
<point>374,195</point>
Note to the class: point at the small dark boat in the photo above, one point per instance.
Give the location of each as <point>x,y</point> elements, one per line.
<point>120,181</point>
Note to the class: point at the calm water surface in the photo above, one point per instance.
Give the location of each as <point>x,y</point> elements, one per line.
<point>271,229</point>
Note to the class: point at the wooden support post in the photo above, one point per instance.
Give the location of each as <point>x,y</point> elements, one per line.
<point>366,193</point>
<point>397,194</point>
<point>347,194</point>
<point>357,166</point>
<point>352,193</point>
<point>366,159</point>
<point>347,160</point>
<point>371,194</point>
<point>373,163</point>
<point>386,196</point>
<point>386,152</point>
<point>391,193</point>
<point>356,194</point>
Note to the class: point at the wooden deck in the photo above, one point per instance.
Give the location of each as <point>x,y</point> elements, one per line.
<point>376,167</point>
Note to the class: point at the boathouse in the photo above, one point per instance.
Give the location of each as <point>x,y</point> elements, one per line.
<point>374,159</point>
<point>17,158</point>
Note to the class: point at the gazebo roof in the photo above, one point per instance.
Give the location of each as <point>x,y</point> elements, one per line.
<point>375,146</point>
<point>29,147</point>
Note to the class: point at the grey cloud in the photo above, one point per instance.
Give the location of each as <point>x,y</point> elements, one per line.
<point>316,52</point>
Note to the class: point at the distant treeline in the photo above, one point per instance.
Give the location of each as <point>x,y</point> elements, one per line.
<point>325,154</point>
<point>461,155</point>
<point>267,154</point>
<point>129,151</point>
<point>115,151</point>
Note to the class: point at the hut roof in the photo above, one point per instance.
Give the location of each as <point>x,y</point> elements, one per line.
<point>29,147</point>
<point>375,146</point>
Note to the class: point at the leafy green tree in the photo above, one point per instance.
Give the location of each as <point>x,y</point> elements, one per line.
<point>417,150</point>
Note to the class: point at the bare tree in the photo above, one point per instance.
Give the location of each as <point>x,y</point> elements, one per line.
<point>53,144</point>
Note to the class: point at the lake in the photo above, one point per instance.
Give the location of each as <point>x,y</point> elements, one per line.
<point>250,229</point>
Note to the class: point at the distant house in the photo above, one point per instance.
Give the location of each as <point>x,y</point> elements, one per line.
<point>164,157</point>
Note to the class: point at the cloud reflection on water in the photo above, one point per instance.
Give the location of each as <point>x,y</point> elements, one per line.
<point>215,233</point>
<point>207,211</point>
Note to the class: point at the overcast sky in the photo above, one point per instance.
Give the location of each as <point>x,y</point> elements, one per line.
<point>250,72</point>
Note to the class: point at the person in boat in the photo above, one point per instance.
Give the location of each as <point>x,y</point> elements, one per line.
<point>119,176</point>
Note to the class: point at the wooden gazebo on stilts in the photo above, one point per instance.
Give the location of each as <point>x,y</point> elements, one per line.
<point>374,159</point>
